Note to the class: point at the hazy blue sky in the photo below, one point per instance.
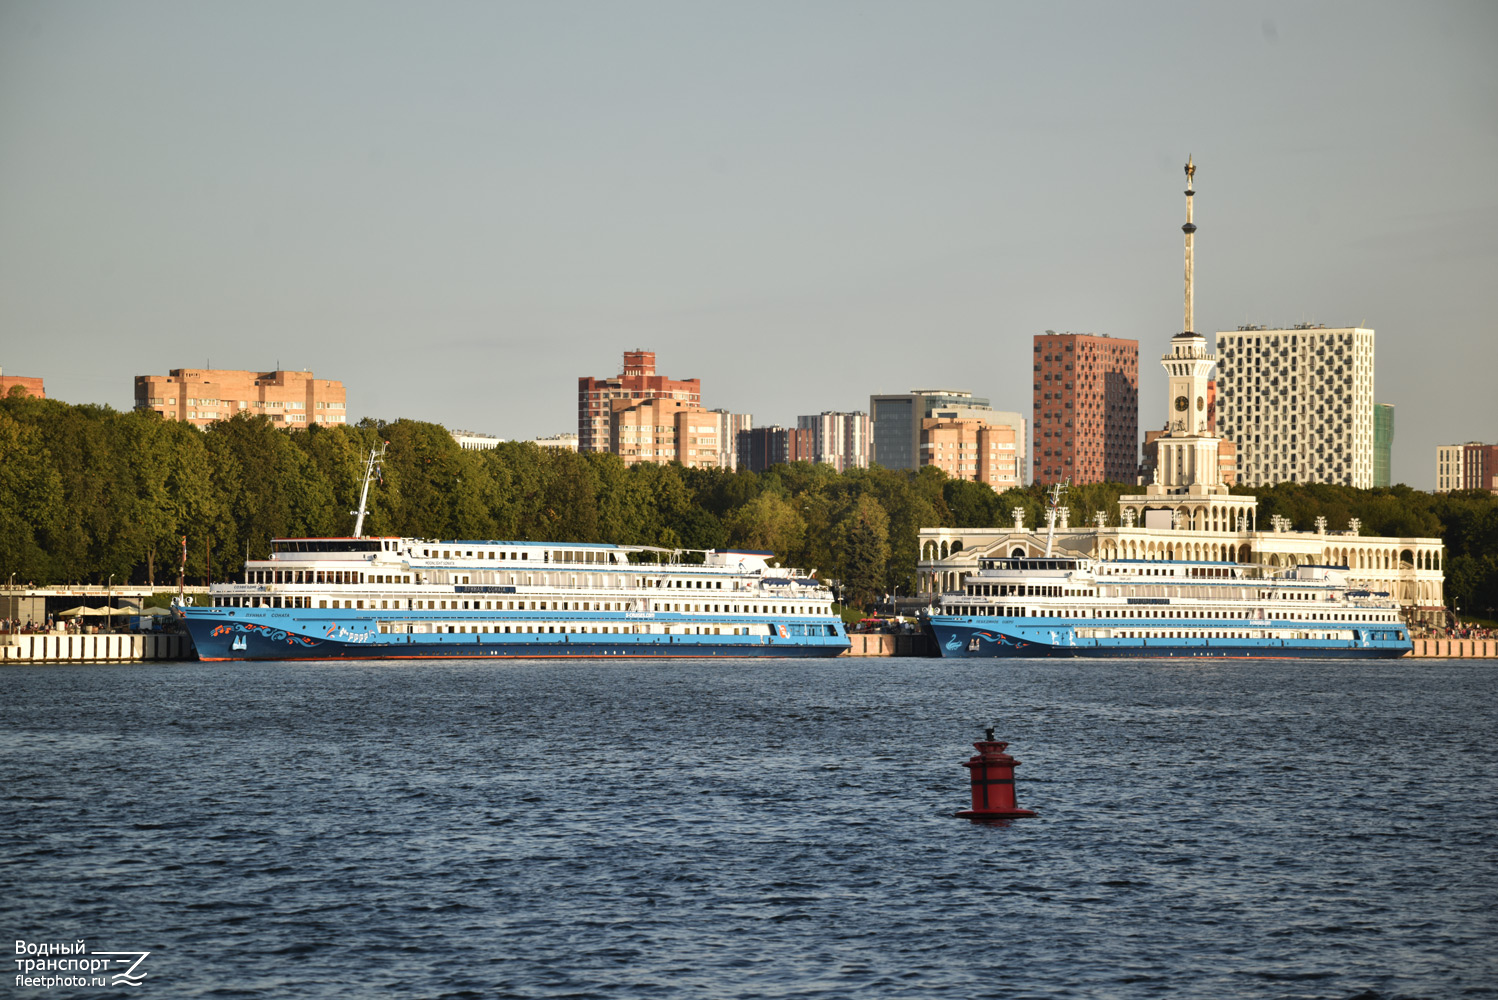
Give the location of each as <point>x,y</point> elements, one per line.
<point>459,208</point>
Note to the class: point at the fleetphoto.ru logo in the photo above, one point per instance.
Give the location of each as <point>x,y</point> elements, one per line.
<point>50,964</point>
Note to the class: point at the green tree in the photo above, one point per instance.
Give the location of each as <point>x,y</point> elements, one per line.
<point>863,551</point>
<point>768,523</point>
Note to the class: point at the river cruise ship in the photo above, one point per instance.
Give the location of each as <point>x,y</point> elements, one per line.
<point>397,598</point>
<point>1063,606</point>
<point>412,598</point>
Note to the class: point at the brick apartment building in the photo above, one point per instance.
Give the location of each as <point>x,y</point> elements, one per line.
<point>664,430</point>
<point>637,382</point>
<point>972,449</point>
<point>1470,466</point>
<point>31,386</point>
<point>1086,408</point>
<point>200,396</point>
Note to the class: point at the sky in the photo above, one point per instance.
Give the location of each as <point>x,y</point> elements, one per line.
<point>457,209</point>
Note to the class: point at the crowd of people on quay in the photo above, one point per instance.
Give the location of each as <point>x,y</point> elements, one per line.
<point>1453,631</point>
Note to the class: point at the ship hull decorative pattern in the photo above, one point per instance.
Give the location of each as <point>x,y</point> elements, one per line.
<point>992,638</point>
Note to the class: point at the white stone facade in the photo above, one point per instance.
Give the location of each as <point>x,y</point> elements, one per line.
<point>1298,403</point>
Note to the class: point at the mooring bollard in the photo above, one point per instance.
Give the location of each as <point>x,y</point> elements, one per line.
<point>992,773</point>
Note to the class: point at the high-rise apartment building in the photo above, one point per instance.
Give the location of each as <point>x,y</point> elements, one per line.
<point>638,381</point>
<point>761,447</point>
<point>896,422</point>
<point>1086,408</point>
<point>840,440</point>
<point>200,396</point>
<point>972,448</point>
<point>663,430</point>
<point>1299,404</point>
<point>730,425</point>
<point>1383,444</point>
<point>1470,466</point>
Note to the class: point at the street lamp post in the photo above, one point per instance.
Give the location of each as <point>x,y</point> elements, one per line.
<point>109,604</point>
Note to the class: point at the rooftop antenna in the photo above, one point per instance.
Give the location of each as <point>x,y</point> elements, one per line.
<point>376,456</point>
<point>1053,495</point>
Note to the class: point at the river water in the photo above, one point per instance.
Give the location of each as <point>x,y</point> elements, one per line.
<point>757,828</point>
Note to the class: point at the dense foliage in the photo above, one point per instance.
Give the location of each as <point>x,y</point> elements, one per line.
<point>86,492</point>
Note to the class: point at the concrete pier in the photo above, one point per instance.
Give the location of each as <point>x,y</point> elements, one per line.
<point>1455,648</point>
<point>58,647</point>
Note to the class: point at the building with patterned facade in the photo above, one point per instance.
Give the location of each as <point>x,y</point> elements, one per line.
<point>1085,408</point>
<point>638,381</point>
<point>1299,404</point>
<point>30,386</point>
<point>199,396</point>
<point>840,440</point>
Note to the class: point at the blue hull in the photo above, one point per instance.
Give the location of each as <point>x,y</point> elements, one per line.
<point>220,637</point>
<point>989,639</point>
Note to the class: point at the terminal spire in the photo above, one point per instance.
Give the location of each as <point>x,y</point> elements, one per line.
<point>1189,229</point>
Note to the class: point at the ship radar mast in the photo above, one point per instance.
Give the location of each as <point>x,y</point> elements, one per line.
<point>371,465</point>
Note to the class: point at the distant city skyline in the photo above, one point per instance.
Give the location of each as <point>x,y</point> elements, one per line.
<point>457,211</point>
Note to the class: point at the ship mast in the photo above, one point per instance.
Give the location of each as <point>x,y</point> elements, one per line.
<point>376,456</point>
<point>1054,494</point>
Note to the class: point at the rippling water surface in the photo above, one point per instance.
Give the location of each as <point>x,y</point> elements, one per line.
<point>758,828</point>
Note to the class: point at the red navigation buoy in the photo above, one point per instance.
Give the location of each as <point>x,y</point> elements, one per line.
<point>993,782</point>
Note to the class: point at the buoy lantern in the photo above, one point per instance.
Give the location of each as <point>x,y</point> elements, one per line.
<point>992,773</point>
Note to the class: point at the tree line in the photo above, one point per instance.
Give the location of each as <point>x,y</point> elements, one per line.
<point>87,492</point>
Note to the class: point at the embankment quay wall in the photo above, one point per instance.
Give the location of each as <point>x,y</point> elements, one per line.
<point>1452,649</point>
<point>51,647</point>
<point>879,644</point>
<point>920,645</point>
